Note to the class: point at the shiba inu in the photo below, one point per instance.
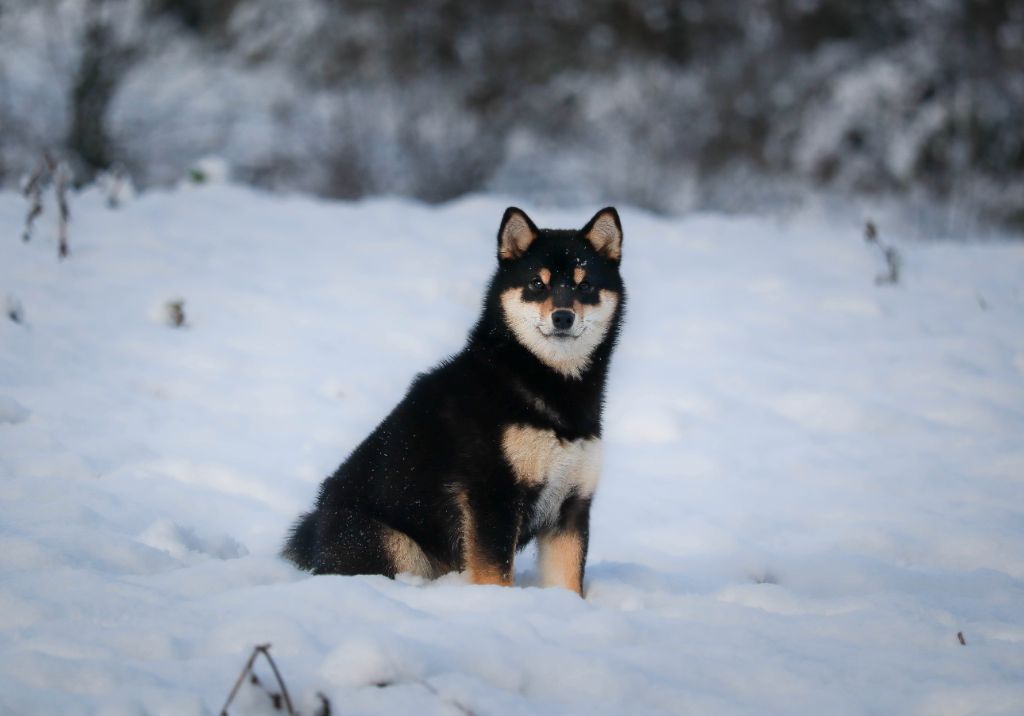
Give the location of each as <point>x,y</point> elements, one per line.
<point>501,443</point>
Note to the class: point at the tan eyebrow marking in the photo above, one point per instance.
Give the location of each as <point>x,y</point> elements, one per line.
<point>578,274</point>
<point>545,276</point>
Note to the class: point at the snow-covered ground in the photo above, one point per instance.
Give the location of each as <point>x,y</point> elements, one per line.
<point>812,483</point>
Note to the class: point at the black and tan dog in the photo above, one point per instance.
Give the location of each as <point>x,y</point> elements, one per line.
<point>497,445</point>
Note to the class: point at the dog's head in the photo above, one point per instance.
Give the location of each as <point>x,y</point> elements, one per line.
<point>559,291</point>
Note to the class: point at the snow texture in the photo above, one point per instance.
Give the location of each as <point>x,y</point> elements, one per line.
<point>811,484</point>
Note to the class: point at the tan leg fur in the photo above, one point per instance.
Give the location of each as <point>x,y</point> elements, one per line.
<point>479,568</point>
<point>560,558</point>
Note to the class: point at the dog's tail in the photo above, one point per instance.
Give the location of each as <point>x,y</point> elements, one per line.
<point>300,546</point>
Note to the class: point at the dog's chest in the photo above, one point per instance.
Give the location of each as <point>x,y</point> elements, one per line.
<point>555,468</point>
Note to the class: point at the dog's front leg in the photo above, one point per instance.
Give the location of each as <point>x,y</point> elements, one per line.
<point>562,550</point>
<point>490,530</point>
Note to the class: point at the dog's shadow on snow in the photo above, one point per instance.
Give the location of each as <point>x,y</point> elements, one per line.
<point>690,578</point>
<point>634,576</point>
<point>641,576</point>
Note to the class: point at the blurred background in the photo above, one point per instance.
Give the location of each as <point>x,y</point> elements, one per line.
<point>667,105</point>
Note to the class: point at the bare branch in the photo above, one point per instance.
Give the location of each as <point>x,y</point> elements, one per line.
<point>33,191</point>
<point>277,699</point>
<point>265,649</point>
<point>893,260</point>
<point>238,684</point>
<point>59,174</point>
<point>870,231</point>
<point>62,175</point>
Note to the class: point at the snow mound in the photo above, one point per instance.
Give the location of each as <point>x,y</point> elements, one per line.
<point>183,543</point>
<point>13,412</point>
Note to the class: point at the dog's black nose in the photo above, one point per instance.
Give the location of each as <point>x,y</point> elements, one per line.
<point>563,319</point>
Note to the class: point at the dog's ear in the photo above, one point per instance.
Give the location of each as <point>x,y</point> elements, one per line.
<point>604,232</point>
<point>516,234</point>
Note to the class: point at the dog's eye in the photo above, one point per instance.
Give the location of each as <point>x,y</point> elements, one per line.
<point>537,284</point>
<point>585,286</point>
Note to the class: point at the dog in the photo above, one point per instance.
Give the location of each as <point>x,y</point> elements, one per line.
<point>499,444</point>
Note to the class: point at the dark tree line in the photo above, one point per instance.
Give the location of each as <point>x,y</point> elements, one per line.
<point>663,104</point>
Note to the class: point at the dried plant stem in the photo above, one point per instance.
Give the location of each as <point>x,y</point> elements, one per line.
<point>60,187</point>
<point>49,170</point>
<point>247,670</point>
<point>893,260</point>
<point>34,193</point>
<point>238,684</point>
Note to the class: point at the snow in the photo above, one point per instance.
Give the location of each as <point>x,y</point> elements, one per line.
<point>811,483</point>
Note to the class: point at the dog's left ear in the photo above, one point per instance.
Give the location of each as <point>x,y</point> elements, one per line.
<point>516,234</point>
<point>604,232</point>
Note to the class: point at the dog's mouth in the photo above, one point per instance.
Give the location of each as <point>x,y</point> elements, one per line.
<point>561,334</point>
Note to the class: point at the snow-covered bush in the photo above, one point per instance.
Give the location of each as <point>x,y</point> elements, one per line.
<point>658,103</point>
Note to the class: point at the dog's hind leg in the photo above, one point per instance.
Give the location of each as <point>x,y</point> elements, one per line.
<point>407,556</point>
<point>350,542</point>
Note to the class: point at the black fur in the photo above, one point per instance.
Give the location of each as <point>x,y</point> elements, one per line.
<point>444,438</point>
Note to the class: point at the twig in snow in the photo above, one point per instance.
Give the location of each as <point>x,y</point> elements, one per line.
<point>33,191</point>
<point>960,636</point>
<point>893,260</point>
<point>278,699</point>
<point>325,705</point>
<point>61,176</point>
<point>174,312</point>
<point>456,704</point>
<point>49,170</point>
<point>13,309</point>
<point>462,709</point>
<point>275,698</point>
<point>238,683</point>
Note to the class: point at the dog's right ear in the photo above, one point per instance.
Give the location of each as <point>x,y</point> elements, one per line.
<point>516,234</point>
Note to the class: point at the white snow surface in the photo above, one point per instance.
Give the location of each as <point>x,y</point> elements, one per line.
<point>811,483</point>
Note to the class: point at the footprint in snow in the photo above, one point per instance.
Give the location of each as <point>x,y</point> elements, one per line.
<point>13,412</point>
